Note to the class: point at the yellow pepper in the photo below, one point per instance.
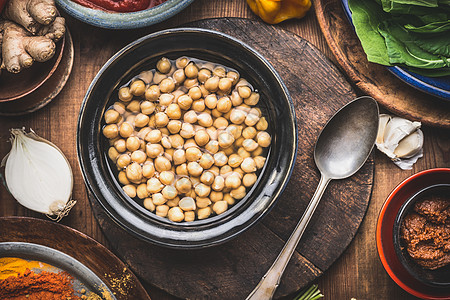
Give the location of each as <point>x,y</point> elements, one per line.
<point>276,11</point>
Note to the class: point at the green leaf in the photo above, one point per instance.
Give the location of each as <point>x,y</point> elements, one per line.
<point>366,16</point>
<point>433,27</point>
<point>431,72</point>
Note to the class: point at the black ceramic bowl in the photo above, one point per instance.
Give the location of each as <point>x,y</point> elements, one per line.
<point>439,278</point>
<point>142,55</point>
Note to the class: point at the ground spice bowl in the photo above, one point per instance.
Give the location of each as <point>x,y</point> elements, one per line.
<point>142,55</point>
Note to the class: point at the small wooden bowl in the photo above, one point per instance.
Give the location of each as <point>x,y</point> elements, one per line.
<point>16,86</point>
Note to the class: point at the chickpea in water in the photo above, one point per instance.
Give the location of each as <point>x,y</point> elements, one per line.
<point>189,141</point>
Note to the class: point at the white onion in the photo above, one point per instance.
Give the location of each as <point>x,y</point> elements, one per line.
<point>38,175</point>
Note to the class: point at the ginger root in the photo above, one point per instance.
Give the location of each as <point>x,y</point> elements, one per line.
<point>28,32</point>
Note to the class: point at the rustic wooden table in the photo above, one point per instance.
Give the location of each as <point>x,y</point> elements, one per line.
<point>358,273</point>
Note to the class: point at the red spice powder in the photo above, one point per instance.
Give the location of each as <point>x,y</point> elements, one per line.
<point>34,286</point>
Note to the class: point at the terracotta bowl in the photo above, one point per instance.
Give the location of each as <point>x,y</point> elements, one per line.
<point>16,86</point>
<point>393,258</point>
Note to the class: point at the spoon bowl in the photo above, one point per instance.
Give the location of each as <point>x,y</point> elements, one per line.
<point>341,150</point>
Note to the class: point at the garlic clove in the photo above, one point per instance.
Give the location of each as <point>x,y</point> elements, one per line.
<point>410,145</point>
<point>383,120</point>
<point>400,139</point>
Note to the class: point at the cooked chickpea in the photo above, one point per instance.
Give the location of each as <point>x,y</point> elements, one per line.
<point>175,214</point>
<point>185,102</point>
<point>137,88</point>
<point>263,139</point>
<point>173,202</point>
<point>204,119</point>
<point>212,84</point>
<point>235,160</point>
<point>182,62</point>
<point>239,141</point>
<point>164,65</point>
<point>134,106</point>
<point>124,94</point>
<point>215,196</point>
<point>220,123</point>
<point>154,136</point>
<point>173,111</point>
<point>120,145</point>
<point>193,154</point>
<point>152,93</point>
<point>191,70</point>
<point>237,116</point>
<point>179,76</point>
<point>243,153</point>
<point>153,150</point>
<point>249,132</point>
<point>202,202</point>
<point>183,185</point>
<point>166,177</point>
<point>189,216</point>
<point>218,184</point>
<point>148,170</point>
<point>162,164</point>
<point>258,151</point>
<point>161,119</point>
<point>225,84</point>
<point>174,126</point>
<point>120,107</point>
<point>113,154</point>
<point>262,124</point>
<point>230,200</point>
<point>181,170</point>
<point>187,130</point>
<point>244,91</point>
<point>154,186</point>
<point>238,193</point>
<point>111,131</point>
<point>226,170</point>
<point>202,190</point>
<point>194,169</point>
<point>162,210</point>
<point>220,207</point>
<point>187,204</point>
<point>133,143</point>
<point>212,146</point>
<point>169,192</point>
<point>198,105</point>
<point>206,161</point>
<point>111,116</point>
<point>224,105</point>
<point>248,165</point>
<point>233,181</point>
<point>141,120</point>
<point>251,119</point>
<point>130,190</point>
<point>219,71</point>
<point>207,178</point>
<point>211,101</point>
<point>179,157</point>
<point>203,75</point>
<point>176,141</point>
<point>236,100</point>
<point>138,156</point>
<point>195,92</point>
<point>215,170</point>
<point>225,139</point>
<point>201,137</point>
<point>134,172</point>
<point>123,178</point>
<point>249,145</point>
<point>249,179</point>
<point>125,129</point>
<point>253,99</point>
<point>203,213</point>
<point>123,160</point>
<point>166,99</point>
<point>260,161</point>
<point>190,83</point>
<point>234,76</point>
<point>141,191</point>
<point>190,117</point>
<point>148,204</point>
<point>220,159</point>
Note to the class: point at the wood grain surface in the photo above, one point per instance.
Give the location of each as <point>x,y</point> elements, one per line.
<point>374,79</point>
<point>318,90</point>
<point>358,273</point>
<point>111,270</point>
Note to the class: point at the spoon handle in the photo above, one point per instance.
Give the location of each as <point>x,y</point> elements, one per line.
<point>270,281</point>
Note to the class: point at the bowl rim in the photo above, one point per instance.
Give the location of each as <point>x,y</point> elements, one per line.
<point>289,108</point>
<point>130,20</point>
<point>380,242</point>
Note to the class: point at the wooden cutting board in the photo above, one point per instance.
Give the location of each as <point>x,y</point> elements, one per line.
<point>232,270</point>
<point>373,79</point>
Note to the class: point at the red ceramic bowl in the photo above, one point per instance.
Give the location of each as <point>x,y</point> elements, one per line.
<point>385,231</point>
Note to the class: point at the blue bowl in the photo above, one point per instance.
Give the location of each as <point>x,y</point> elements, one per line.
<point>129,20</point>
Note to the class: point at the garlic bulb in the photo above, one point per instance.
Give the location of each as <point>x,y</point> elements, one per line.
<point>400,139</point>
<point>38,175</point>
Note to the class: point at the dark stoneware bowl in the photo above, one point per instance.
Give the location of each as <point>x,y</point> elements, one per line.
<point>142,55</point>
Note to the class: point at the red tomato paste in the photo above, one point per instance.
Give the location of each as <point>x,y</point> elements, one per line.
<point>120,5</point>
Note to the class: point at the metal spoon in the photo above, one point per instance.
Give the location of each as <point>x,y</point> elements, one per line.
<point>341,149</point>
